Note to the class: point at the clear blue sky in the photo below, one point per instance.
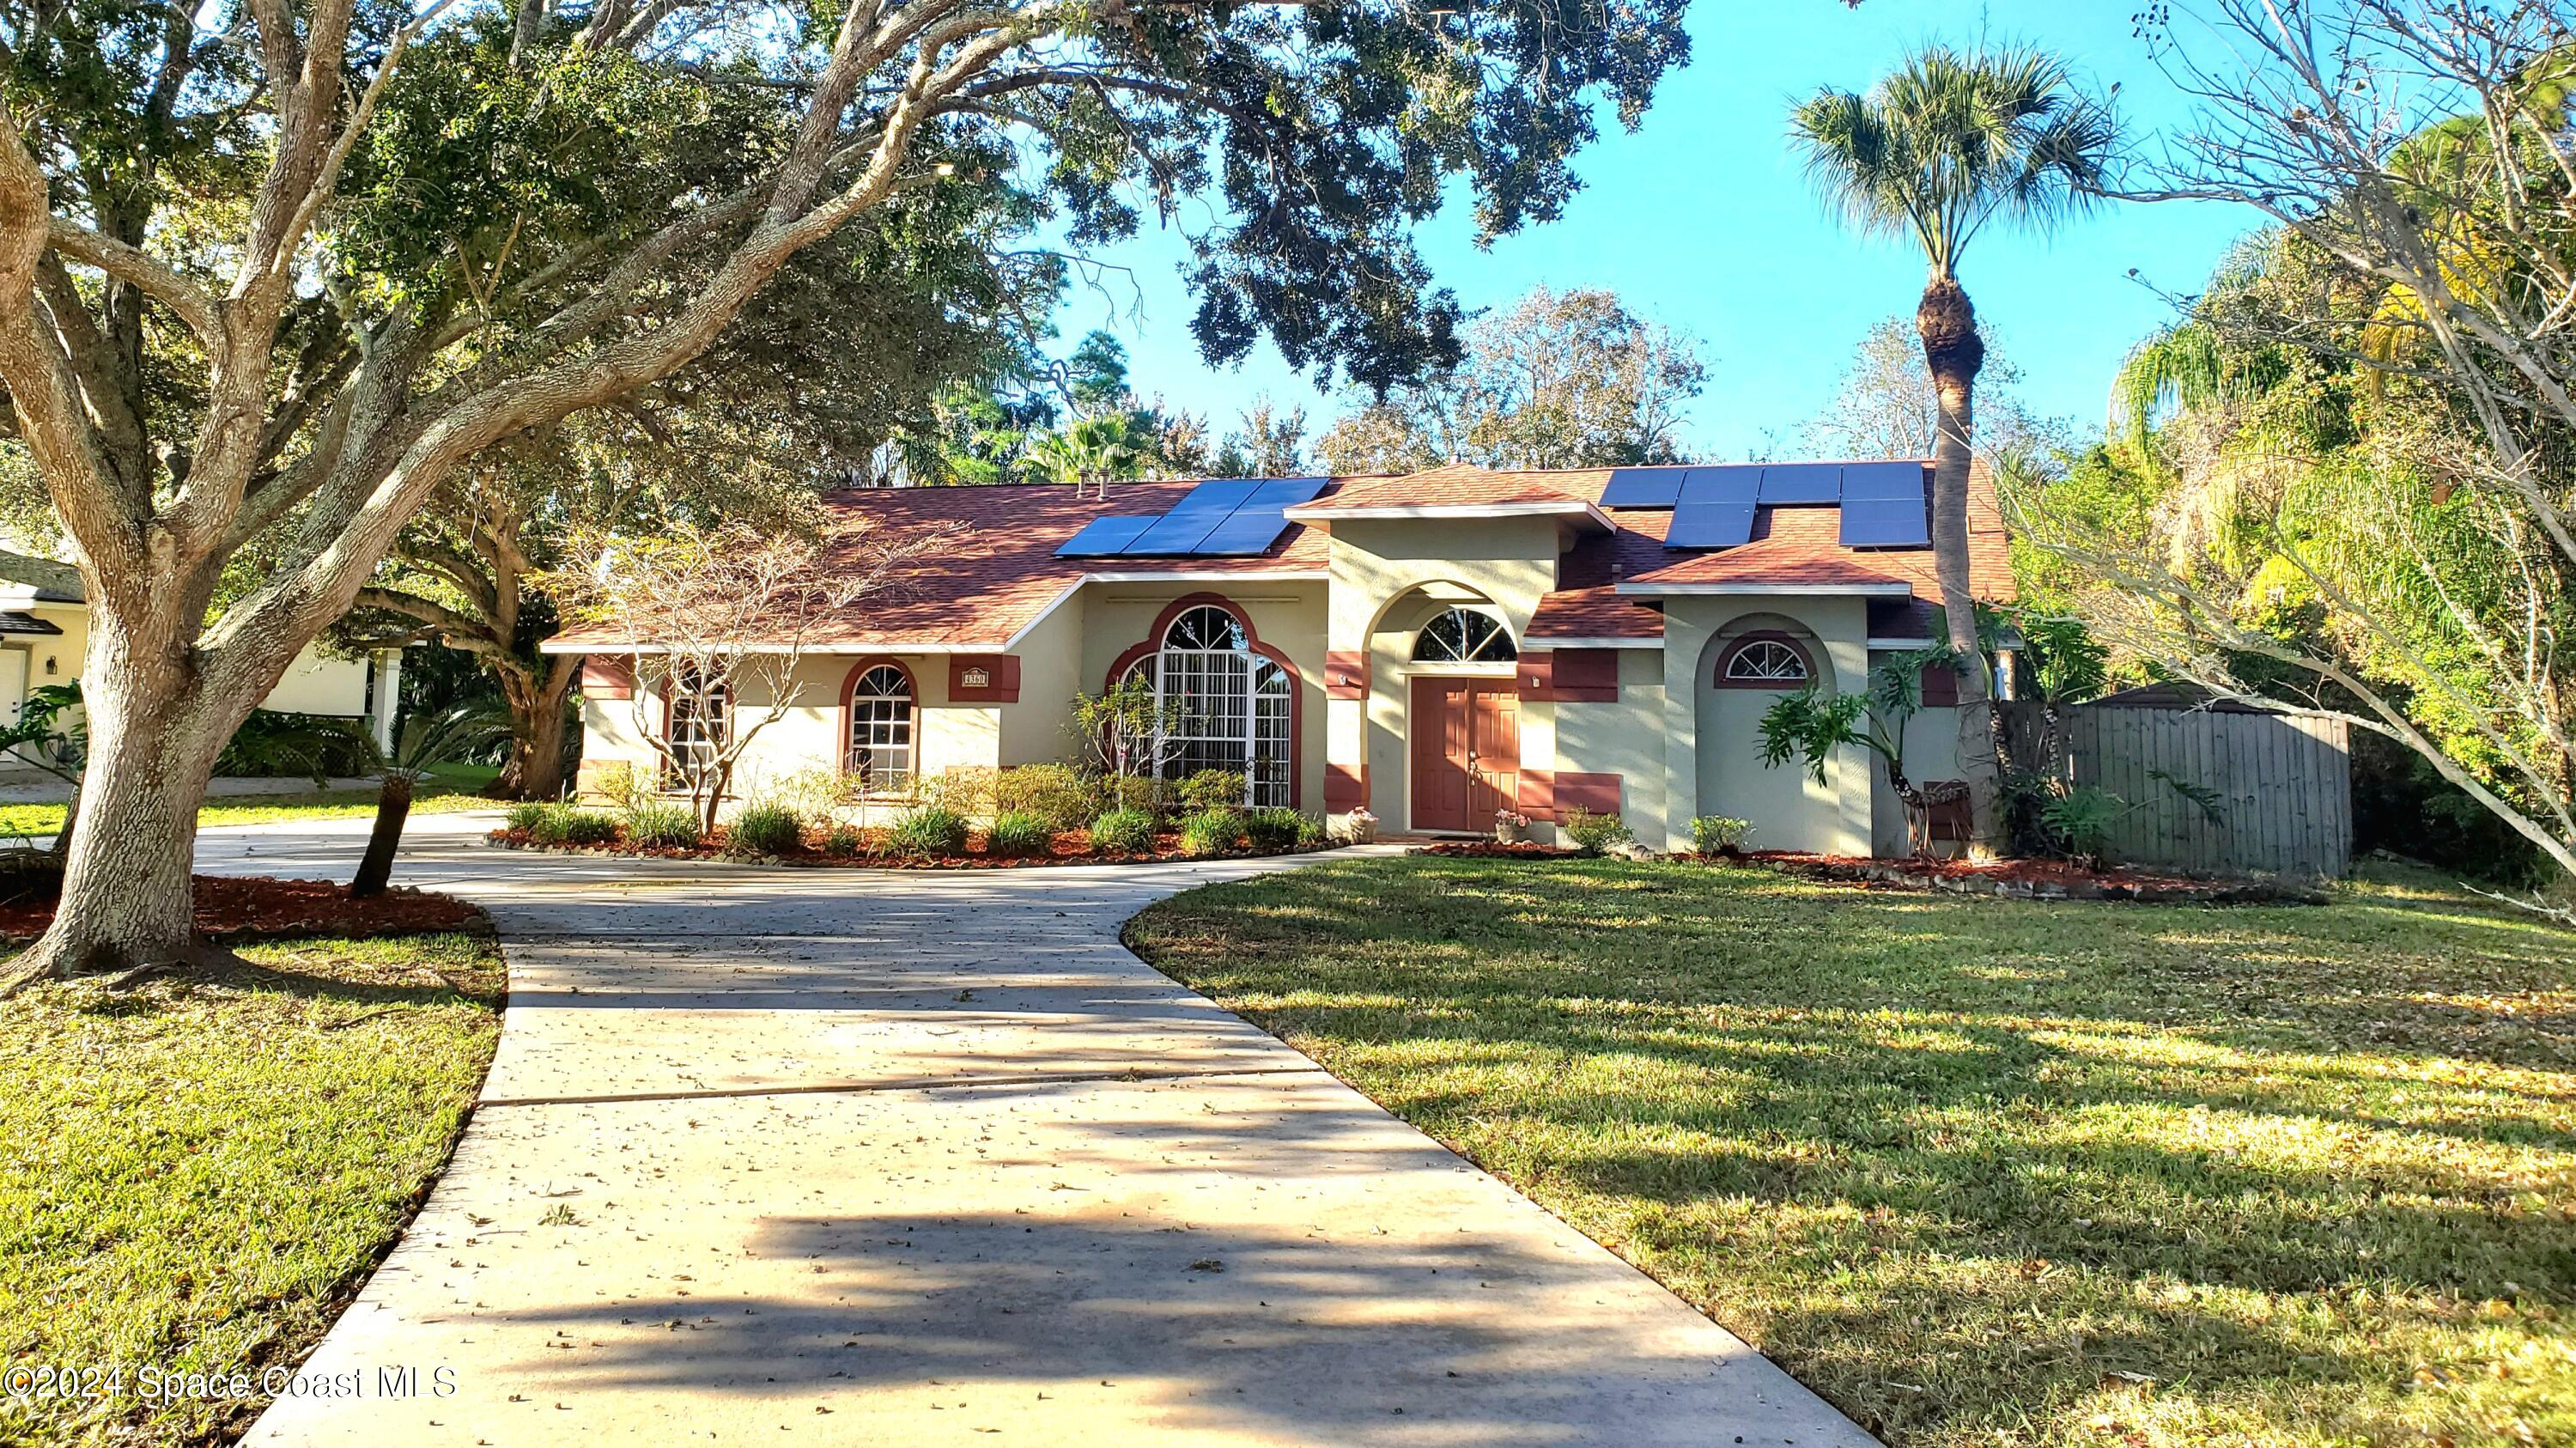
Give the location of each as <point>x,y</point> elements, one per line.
<point>1702,219</point>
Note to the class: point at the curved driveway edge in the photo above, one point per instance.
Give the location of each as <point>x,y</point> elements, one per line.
<point>851,1156</point>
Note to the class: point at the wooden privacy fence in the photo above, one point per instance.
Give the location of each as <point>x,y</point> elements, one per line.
<point>2281,787</point>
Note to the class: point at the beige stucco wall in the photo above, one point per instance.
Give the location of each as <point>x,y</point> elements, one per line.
<point>1069,650</point>
<point>1712,735</point>
<point>1625,738</point>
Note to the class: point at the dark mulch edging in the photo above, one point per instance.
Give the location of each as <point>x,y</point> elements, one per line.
<point>1072,848</point>
<point>1495,850</point>
<point>2034,880</point>
<point>239,909</point>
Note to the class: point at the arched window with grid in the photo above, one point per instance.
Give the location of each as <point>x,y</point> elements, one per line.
<point>1226,706</point>
<point>882,720</point>
<point>1765,661</point>
<point>1464,636</point>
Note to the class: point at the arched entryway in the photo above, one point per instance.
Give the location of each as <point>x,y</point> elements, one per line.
<point>1462,710</point>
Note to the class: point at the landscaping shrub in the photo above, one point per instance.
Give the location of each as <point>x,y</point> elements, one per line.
<point>926,830</point>
<point>1594,833</point>
<point>843,843</point>
<point>1123,832</point>
<point>566,824</point>
<point>1211,789</point>
<point>764,829</point>
<point>1019,832</point>
<point>662,825</point>
<point>1140,793</point>
<point>1275,828</point>
<point>966,790</point>
<point>1712,833</point>
<point>1058,794</point>
<point>1211,831</point>
<point>525,814</point>
<point>1311,833</point>
<point>624,786</point>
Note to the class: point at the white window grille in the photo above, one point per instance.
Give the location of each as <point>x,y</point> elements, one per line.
<point>1227,706</point>
<point>1767,661</point>
<point>700,720</point>
<point>1464,636</point>
<point>881,725</point>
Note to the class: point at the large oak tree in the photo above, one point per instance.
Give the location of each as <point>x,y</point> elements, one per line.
<point>384,238</point>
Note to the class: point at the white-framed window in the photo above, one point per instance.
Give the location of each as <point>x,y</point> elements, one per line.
<point>1765,663</point>
<point>881,728</point>
<point>1464,636</point>
<point>700,718</point>
<point>1230,707</point>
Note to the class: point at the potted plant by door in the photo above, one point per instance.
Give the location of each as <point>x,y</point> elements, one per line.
<point>1362,826</point>
<point>1510,826</point>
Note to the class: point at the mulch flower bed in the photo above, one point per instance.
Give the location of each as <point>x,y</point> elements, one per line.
<point>233,908</point>
<point>1070,847</point>
<point>1494,850</point>
<point>2033,880</point>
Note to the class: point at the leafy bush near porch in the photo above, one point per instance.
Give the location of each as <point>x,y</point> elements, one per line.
<point>662,825</point>
<point>764,829</point>
<point>1059,795</point>
<point>1211,789</point>
<point>1276,828</point>
<point>927,830</point>
<point>568,824</point>
<point>1123,832</point>
<point>1594,833</point>
<point>1712,833</point>
<point>843,843</point>
<point>1212,832</point>
<point>1019,832</point>
<point>1133,793</point>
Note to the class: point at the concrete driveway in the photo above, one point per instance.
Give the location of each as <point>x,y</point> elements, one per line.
<point>777,1155</point>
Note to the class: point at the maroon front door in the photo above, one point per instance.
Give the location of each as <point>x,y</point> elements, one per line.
<point>1466,752</point>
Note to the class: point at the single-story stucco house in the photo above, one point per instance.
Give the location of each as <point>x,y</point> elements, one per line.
<point>44,637</point>
<point>1435,647</point>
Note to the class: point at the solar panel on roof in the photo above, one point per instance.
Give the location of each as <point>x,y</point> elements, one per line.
<point>1867,481</point>
<point>1250,529</point>
<point>1802,483</point>
<point>1884,523</point>
<point>1195,516</point>
<point>1643,488</point>
<point>1715,509</point>
<point>1102,537</point>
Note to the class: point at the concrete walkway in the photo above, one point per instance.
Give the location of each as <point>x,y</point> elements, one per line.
<point>877,1157</point>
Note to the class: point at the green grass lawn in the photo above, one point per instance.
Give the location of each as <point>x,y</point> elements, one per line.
<point>448,789</point>
<point>196,1176</point>
<point>1989,1172</point>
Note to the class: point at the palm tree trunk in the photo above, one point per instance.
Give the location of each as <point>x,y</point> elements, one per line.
<point>1953,353</point>
<point>393,807</point>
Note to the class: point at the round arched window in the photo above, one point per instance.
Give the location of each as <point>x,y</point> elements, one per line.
<point>881,728</point>
<point>1222,703</point>
<point>1765,663</point>
<point>1464,636</point>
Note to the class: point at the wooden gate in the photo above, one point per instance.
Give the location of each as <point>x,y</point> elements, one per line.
<point>2279,786</point>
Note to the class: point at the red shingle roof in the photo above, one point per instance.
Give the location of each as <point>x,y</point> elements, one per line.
<point>1001,573</point>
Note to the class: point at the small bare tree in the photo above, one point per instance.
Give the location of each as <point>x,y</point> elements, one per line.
<point>712,615</point>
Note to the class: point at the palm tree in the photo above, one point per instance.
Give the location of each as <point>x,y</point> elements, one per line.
<point>1949,142</point>
<point>1091,450</point>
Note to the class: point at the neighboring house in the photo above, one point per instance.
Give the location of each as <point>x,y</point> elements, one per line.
<point>44,636</point>
<point>1435,647</point>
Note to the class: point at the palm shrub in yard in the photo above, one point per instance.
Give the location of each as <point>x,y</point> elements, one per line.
<point>927,830</point>
<point>764,829</point>
<point>1274,828</point>
<point>1019,832</point>
<point>1212,831</point>
<point>662,825</point>
<point>1123,832</point>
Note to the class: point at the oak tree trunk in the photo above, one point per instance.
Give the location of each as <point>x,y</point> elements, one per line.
<point>1954,353</point>
<point>127,900</point>
<point>536,703</point>
<point>393,807</point>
